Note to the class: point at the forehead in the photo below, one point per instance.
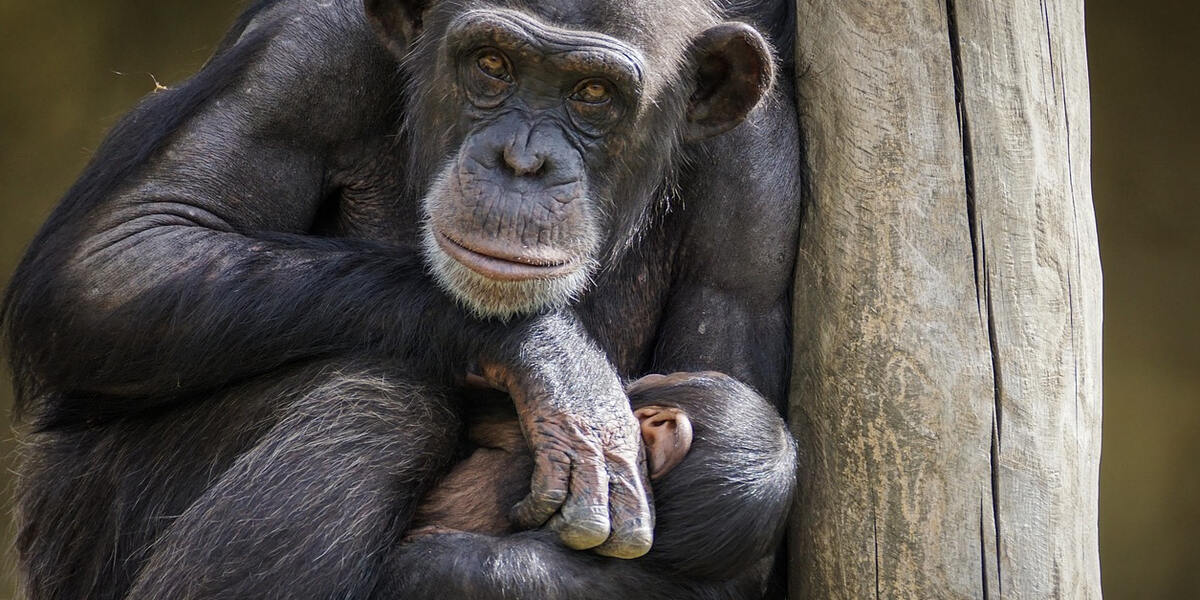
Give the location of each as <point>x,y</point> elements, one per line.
<point>659,29</point>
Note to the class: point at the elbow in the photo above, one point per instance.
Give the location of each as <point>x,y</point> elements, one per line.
<point>53,320</point>
<point>32,320</point>
<point>72,287</point>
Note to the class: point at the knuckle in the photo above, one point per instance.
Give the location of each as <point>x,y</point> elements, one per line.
<point>624,465</point>
<point>558,458</point>
<point>627,487</point>
<point>591,516</point>
<point>526,514</point>
<point>548,497</point>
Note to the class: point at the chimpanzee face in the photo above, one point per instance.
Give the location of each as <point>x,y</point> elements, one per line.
<point>540,136</point>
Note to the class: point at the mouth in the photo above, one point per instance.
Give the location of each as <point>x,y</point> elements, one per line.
<point>503,265</point>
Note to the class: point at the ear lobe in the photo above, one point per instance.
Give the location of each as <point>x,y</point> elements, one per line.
<point>733,73</point>
<point>396,22</point>
<point>667,434</point>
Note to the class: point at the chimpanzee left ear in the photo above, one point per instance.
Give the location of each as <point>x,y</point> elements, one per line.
<point>667,436</point>
<point>733,73</point>
<point>396,22</point>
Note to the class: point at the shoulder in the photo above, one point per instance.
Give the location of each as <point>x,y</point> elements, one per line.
<point>313,65</point>
<point>742,201</point>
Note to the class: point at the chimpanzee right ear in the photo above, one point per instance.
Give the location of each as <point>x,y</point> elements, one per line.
<point>397,22</point>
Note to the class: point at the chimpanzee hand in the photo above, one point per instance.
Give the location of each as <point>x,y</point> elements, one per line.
<point>588,462</point>
<point>590,469</point>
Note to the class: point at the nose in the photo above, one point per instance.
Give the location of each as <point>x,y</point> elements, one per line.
<point>523,156</point>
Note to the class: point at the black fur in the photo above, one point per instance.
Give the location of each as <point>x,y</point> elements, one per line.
<point>235,377</point>
<point>740,444</point>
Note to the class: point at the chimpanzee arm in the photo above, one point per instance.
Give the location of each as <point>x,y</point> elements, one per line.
<point>533,565</point>
<point>152,276</point>
<point>730,306</point>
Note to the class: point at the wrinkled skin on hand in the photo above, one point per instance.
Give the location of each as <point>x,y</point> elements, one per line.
<point>590,483</point>
<point>606,465</point>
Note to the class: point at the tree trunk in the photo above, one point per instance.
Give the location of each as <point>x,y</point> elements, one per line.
<point>946,390</point>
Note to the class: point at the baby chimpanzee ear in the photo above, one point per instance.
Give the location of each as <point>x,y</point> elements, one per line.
<point>667,434</point>
<point>733,73</point>
<point>396,22</point>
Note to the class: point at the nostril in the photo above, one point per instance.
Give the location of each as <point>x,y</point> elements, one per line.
<point>524,163</point>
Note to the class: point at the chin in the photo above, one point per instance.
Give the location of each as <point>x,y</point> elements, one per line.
<point>487,297</point>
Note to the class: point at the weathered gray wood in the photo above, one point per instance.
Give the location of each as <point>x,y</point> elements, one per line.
<point>946,393</point>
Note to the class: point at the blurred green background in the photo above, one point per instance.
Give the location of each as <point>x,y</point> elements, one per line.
<point>69,69</point>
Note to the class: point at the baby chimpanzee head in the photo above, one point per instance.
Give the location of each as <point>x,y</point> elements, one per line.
<point>705,446</point>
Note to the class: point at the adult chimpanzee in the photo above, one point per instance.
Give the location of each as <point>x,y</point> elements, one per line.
<point>233,341</point>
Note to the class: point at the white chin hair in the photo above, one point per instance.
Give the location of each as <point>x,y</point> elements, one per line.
<point>489,298</point>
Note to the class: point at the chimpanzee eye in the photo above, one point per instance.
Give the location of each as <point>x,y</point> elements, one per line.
<point>492,63</point>
<point>592,91</point>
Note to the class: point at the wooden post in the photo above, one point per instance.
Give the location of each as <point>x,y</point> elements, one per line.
<point>946,392</point>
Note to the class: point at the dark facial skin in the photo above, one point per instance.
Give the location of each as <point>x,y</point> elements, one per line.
<point>516,217</point>
<point>238,343</point>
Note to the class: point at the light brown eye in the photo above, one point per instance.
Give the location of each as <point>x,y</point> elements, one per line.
<point>592,91</point>
<point>493,65</point>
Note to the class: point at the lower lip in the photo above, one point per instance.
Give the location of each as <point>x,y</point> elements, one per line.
<point>498,268</point>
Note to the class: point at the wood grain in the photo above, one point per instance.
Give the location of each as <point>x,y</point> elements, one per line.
<point>946,392</point>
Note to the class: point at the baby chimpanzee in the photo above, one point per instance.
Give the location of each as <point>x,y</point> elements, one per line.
<point>692,445</point>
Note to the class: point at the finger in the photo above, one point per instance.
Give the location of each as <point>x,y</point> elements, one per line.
<point>630,512</point>
<point>585,519</point>
<point>547,490</point>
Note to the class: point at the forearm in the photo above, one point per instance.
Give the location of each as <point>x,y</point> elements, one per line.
<point>175,308</point>
<point>558,368</point>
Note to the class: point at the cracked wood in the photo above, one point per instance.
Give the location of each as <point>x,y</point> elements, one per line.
<point>946,391</point>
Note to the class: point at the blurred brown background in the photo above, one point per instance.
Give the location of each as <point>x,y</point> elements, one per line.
<point>69,69</point>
